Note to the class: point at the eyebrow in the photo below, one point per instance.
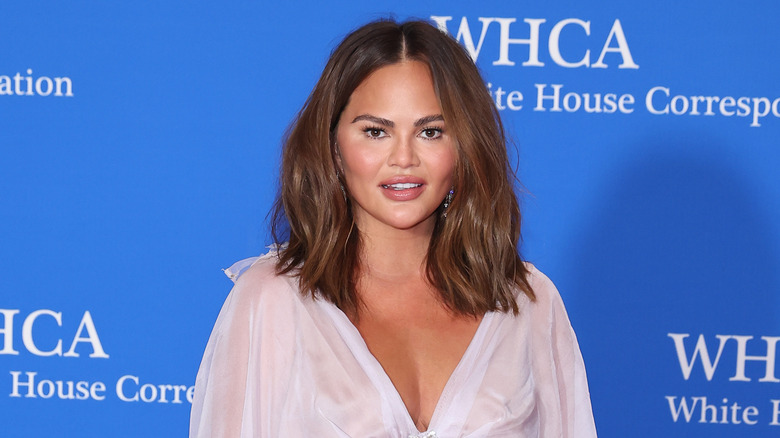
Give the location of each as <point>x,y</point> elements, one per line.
<point>428,119</point>
<point>389,123</point>
<point>374,119</point>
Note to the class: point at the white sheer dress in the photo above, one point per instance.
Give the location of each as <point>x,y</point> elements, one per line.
<point>279,364</point>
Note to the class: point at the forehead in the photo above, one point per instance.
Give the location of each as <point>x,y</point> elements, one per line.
<point>404,84</point>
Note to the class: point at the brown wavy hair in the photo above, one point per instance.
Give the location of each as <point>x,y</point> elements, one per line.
<point>473,258</point>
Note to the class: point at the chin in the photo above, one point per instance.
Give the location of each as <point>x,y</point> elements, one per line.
<point>410,223</point>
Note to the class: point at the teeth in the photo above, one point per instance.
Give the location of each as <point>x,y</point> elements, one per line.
<point>401,186</point>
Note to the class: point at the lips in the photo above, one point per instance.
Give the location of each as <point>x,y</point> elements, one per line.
<point>402,188</point>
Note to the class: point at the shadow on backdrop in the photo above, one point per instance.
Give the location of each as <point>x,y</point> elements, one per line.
<point>679,243</point>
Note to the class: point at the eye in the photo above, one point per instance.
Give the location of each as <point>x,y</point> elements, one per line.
<point>431,133</point>
<point>374,132</point>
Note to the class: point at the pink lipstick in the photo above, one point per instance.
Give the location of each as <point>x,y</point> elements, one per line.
<point>402,188</point>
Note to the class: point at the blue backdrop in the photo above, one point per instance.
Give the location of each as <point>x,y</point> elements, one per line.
<point>138,151</point>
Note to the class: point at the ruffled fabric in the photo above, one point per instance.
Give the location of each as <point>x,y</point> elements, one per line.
<point>236,269</point>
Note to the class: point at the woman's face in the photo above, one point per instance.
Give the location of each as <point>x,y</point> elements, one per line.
<point>394,150</point>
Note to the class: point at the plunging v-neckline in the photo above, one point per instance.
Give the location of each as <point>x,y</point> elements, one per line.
<point>381,380</point>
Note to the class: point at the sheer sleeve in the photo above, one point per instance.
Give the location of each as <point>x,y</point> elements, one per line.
<point>565,407</point>
<point>250,343</point>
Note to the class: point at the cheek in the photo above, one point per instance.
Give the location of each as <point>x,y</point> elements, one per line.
<point>444,165</point>
<point>358,163</point>
<point>352,155</point>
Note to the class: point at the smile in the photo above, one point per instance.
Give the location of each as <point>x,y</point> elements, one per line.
<point>401,186</point>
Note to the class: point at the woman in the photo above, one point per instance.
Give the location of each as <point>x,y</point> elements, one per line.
<point>399,306</point>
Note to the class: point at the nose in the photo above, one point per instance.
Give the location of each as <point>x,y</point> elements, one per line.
<point>403,153</point>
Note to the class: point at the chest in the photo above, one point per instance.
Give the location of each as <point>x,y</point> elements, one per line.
<point>334,376</point>
<point>418,349</point>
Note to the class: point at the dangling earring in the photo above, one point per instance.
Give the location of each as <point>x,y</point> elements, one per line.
<point>447,202</point>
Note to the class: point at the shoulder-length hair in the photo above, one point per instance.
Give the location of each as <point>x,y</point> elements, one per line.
<point>472,258</point>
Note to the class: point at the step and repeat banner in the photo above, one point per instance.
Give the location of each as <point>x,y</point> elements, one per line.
<point>139,143</point>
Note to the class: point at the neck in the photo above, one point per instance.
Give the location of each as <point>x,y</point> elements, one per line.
<point>392,254</point>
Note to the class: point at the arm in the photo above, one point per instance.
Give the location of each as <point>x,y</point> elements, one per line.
<point>240,387</point>
<point>566,409</point>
